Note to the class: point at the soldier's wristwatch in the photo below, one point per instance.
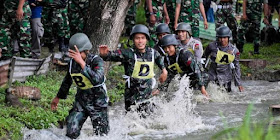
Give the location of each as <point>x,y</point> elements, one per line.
<point>151,13</point>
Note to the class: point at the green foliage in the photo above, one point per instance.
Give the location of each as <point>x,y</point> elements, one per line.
<point>140,14</point>
<point>35,114</point>
<point>116,83</point>
<point>249,130</point>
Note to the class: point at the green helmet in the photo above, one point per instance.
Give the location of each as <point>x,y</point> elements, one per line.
<point>162,28</point>
<point>182,26</point>
<point>223,31</point>
<point>140,29</point>
<point>168,40</point>
<point>81,41</point>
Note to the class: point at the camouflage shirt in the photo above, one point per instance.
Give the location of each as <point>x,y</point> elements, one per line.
<point>126,56</point>
<point>94,71</point>
<point>188,65</point>
<point>223,72</point>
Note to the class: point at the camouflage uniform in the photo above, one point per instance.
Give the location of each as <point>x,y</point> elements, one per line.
<point>158,12</point>
<point>188,65</point>
<point>254,15</point>
<point>224,14</point>
<point>137,90</point>
<point>91,101</point>
<point>78,10</point>
<point>194,46</point>
<point>223,73</point>
<point>56,24</point>
<point>171,6</point>
<point>190,14</point>
<point>10,28</point>
<point>130,19</point>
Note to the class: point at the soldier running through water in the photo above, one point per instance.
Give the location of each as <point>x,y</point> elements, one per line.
<point>87,71</point>
<point>139,67</point>
<point>224,60</point>
<point>181,61</point>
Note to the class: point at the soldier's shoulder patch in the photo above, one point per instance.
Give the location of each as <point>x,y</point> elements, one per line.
<point>196,46</point>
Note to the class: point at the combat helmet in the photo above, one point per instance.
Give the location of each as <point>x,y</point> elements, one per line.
<point>182,26</point>
<point>81,41</point>
<point>140,29</point>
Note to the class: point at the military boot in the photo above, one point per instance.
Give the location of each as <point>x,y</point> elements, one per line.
<point>61,44</point>
<point>256,48</point>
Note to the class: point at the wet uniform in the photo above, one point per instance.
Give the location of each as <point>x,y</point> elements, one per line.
<point>195,47</point>
<point>91,98</point>
<point>224,64</point>
<point>139,72</point>
<point>182,63</point>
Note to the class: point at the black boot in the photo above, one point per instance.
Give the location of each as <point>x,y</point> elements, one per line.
<point>256,49</point>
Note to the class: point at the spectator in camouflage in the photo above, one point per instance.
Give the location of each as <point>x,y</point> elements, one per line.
<point>130,19</point>
<point>252,13</point>
<point>78,11</point>
<point>155,11</point>
<point>188,11</point>
<point>15,24</point>
<point>56,24</point>
<point>225,14</point>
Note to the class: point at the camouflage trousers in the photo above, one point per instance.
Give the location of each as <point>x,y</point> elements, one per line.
<point>158,12</point>
<point>78,115</point>
<point>78,9</point>
<point>190,14</point>
<point>226,15</point>
<point>253,22</point>
<point>10,29</point>
<point>139,91</point>
<point>130,19</point>
<point>55,23</point>
<point>171,6</point>
<point>193,19</point>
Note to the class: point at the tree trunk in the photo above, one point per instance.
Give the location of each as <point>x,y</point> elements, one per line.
<point>106,22</point>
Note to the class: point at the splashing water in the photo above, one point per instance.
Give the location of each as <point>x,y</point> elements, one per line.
<point>172,117</point>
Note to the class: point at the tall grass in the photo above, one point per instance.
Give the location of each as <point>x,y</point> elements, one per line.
<point>264,130</point>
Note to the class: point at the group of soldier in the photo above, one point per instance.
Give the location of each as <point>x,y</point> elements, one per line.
<point>179,53</point>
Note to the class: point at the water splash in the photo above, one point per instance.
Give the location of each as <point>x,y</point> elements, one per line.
<point>172,117</point>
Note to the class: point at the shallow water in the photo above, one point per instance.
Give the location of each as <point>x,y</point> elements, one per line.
<point>180,115</point>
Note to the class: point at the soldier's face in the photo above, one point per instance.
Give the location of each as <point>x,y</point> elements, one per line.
<point>140,41</point>
<point>183,35</point>
<point>170,50</point>
<point>84,54</point>
<point>224,41</point>
<point>159,36</point>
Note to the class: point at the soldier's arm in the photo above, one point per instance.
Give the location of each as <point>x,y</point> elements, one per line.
<point>160,62</point>
<point>166,16</point>
<point>95,71</point>
<point>19,12</point>
<point>65,86</point>
<point>116,56</point>
<point>202,11</point>
<point>244,6</point>
<point>177,13</point>
<point>151,12</point>
<point>237,72</point>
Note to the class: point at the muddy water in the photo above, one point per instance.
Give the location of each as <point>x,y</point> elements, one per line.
<point>180,114</point>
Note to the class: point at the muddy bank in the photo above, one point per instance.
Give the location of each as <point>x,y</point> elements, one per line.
<point>268,75</point>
